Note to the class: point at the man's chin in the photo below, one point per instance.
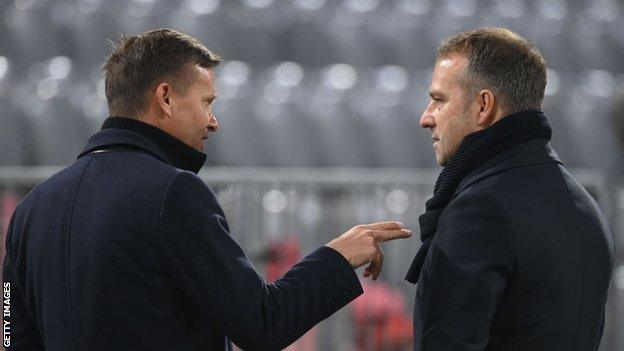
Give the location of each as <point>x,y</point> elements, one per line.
<point>441,161</point>
<point>199,147</point>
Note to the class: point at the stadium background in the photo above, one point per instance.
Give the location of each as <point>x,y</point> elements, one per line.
<point>319,102</point>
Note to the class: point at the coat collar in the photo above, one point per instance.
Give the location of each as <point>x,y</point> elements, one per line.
<point>531,153</point>
<point>126,132</point>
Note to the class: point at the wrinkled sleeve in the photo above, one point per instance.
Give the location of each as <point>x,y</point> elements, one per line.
<point>216,275</point>
<point>19,330</point>
<point>464,276</point>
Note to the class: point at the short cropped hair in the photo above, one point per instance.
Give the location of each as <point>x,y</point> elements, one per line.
<point>502,61</point>
<point>141,61</point>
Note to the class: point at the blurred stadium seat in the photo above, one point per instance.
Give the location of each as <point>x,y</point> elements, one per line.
<point>323,82</point>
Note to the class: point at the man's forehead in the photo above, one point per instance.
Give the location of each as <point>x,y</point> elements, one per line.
<point>204,73</point>
<point>204,77</point>
<point>446,62</point>
<point>447,68</point>
<point>451,62</point>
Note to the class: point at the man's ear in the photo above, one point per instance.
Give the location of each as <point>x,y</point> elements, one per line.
<point>163,98</point>
<point>488,106</point>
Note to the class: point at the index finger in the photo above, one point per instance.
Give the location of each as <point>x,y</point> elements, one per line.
<point>387,235</point>
<point>383,225</point>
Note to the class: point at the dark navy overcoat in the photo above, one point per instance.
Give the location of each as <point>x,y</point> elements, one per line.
<point>127,249</point>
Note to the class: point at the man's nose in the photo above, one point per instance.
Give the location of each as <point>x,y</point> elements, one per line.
<point>426,120</point>
<point>214,124</point>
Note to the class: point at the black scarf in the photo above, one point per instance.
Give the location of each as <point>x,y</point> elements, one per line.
<point>475,149</point>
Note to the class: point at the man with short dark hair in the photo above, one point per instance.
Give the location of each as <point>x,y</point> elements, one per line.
<point>515,254</point>
<point>127,249</point>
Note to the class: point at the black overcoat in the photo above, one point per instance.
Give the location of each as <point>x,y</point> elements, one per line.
<point>123,250</point>
<point>521,260</point>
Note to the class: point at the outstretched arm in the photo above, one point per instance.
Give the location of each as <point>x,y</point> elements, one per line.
<point>212,269</point>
